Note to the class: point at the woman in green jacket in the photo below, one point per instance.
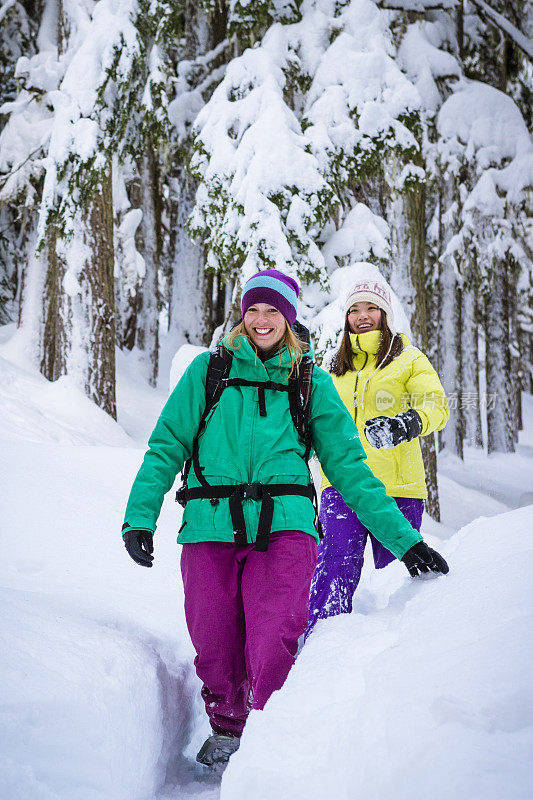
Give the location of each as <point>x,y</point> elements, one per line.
<point>394,396</point>
<point>248,532</point>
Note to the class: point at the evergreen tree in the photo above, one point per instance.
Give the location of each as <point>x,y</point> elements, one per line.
<point>174,149</point>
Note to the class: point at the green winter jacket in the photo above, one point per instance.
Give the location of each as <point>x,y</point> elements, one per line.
<point>240,446</point>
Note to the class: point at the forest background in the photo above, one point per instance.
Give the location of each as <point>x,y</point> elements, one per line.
<point>154,155</point>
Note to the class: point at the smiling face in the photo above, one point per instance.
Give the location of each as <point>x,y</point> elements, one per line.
<point>363,317</point>
<point>265,326</point>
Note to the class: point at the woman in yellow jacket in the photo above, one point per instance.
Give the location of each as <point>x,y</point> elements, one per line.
<point>395,396</point>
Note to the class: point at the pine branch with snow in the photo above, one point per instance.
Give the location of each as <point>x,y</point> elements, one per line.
<point>360,106</point>
<point>481,130</point>
<point>262,200</point>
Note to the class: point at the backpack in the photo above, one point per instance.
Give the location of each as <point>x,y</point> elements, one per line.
<point>299,391</point>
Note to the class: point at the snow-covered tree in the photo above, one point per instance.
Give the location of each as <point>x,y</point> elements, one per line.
<point>181,147</point>
<point>17,35</point>
<point>486,146</point>
<point>68,298</point>
<point>262,199</point>
<point>197,298</point>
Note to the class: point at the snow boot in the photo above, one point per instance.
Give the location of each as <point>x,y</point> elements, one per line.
<point>217,749</point>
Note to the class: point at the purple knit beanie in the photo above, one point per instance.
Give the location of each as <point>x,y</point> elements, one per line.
<point>273,287</point>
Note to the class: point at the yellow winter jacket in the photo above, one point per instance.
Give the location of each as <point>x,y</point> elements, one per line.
<point>367,392</point>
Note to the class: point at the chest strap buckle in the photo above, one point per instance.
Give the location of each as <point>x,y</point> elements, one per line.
<point>252,491</point>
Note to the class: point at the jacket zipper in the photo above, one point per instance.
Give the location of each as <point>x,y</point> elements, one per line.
<point>357,376</point>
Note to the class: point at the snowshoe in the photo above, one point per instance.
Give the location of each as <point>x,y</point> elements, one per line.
<point>217,749</point>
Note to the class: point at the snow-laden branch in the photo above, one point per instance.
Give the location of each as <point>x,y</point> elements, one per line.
<point>77,128</point>
<point>262,198</point>
<point>482,129</point>
<point>191,82</point>
<point>416,5</point>
<point>185,66</point>
<point>10,174</point>
<point>360,103</point>
<point>4,8</point>
<point>523,42</point>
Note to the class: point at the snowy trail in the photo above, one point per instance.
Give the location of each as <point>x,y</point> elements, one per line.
<point>100,673</point>
<point>506,478</point>
<point>98,668</point>
<point>98,696</point>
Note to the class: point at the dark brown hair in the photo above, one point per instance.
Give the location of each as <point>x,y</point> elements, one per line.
<point>342,361</point>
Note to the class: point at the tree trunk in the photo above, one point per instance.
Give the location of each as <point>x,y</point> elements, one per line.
<point>525,339</point>
<point>460,31</point>
<point>470,397</point>
<point>498,366</point>
<point>452,435</point>
<point>78,330</point>
<point>196,299</point>
<point>415,206</point>
<point>192,288</point>
<point>450,325</point>
<point>515,360</point>
<point>408,279</point>
<point>56,312</point>
<point>148,240</point>
<point>98,298</point>
<point>68,299</point>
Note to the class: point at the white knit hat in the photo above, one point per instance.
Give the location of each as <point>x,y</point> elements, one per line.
<point>372,292</point>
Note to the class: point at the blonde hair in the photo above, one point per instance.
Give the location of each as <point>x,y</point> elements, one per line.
<point>295,346</point>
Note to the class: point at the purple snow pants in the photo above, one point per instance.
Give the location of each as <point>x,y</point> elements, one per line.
<point>340,554</point>
<point>245,612</point>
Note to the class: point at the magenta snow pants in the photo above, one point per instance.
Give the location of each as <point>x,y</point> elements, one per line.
<point>245,612</point>
<point>340,554</point>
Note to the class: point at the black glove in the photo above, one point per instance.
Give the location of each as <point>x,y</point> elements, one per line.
<point>389,432</point>
<point>140,546</point>
<point>421,558</point>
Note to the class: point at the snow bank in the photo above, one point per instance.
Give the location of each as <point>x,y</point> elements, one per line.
<point>98,695</point>
<point>182,359</point>
<point>97,687</point>
<point>505,477</point>
<point>68,685</point>
<point>425,685</point>
<point>428,696</point>
<point>37,410</point>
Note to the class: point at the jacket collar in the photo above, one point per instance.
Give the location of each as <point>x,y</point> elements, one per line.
<point>365,342</point>
<point>248,361</point>
<point>369,342</point>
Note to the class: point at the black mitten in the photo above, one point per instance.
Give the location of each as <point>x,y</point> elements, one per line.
<point>140,546</point>
<point>421,558</point>
<point>389,432</point>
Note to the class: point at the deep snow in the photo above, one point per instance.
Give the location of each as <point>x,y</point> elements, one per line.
<point>424,691</point>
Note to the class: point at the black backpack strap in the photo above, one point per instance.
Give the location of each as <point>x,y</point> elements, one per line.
<point>261,386</point>
<point>299,393</point>
<point>218,369</point>
<point>238,493</point>
<point>299,402</point>
<point>301,332</point>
